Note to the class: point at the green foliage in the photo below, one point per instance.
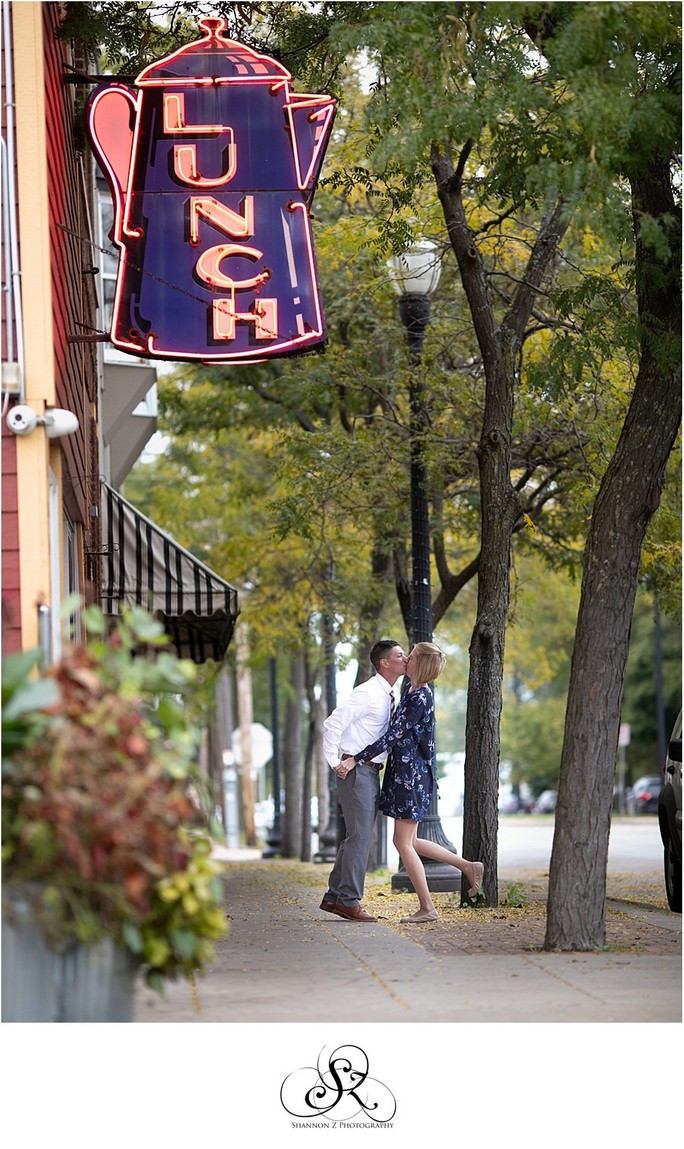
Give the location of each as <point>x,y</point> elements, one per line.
<point>24,703</point>
<point>640,701</point>
<point>514,895</point>
<point>301,466</point>
<point>538,653</point>
<point>96,819</point>
<point>532,739</point>
<point>539,649</point>
<point>125,36</point>
<point>661,560</point>
<point>185,918</point>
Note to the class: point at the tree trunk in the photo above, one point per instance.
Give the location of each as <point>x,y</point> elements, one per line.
<point>500,346</point>
<point>372,606</point>
<point>223,744</point>
<point>329,810</point>
<point>245,717</point>
<point>293,765</point>
<point>313,754</point>
<point>627,499</point>
<point>323,772</point>
<point>319,769</point>
<point>307,790</point>
<point>485,681</point>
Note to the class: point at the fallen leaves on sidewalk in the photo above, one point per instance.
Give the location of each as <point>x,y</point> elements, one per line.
<point>521,925</point>
<point>517,925</point>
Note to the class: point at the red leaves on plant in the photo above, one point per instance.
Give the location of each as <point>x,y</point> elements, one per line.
<point>96,789</point>
<point>136,746</point>
<point>99,855</point>
<point>137,885</point>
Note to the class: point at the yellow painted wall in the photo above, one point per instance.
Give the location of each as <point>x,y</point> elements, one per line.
<point>34,454</point>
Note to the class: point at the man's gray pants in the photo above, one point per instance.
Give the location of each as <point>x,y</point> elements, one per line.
<point>359,794</point>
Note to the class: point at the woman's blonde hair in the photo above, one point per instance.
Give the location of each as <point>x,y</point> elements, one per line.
<point>429,663</point>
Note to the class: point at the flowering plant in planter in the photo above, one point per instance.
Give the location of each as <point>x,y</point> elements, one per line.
<point>96,818</point>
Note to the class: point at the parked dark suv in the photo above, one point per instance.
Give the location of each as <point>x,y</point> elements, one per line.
<point>670,818</point>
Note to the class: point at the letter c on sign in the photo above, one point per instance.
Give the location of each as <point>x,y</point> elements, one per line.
<point>209,269</point>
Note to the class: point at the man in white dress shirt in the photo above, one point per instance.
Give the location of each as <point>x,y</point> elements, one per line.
<point>362,718</point>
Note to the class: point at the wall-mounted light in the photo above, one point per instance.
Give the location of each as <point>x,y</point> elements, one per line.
<point>22,420</point>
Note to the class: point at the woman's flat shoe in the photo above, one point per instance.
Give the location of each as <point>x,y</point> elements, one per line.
<point>417,918</point>
<point>478,878</point>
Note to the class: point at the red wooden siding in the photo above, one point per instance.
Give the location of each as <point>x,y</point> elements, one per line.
<point>74,312</point>
<point>6,287</point>
<point>73,291</point>
<point>9,579</point>
<point>11,606</point>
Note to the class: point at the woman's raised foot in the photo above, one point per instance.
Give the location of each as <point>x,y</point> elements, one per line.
<point>477,879</point>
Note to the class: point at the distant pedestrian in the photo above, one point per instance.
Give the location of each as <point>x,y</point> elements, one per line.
<point>360,719</point>
<point>409,778</point>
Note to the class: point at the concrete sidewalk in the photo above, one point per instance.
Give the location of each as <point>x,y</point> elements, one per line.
<point>285,960</point>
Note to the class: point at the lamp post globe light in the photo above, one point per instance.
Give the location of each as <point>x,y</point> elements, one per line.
<point>415,274</point>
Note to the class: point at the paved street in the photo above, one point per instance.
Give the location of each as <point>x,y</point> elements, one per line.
<point>525,842</point>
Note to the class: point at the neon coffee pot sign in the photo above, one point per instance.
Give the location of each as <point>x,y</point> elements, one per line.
<point>212,165</point>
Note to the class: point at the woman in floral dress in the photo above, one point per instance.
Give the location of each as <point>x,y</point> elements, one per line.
<point>409,781</point>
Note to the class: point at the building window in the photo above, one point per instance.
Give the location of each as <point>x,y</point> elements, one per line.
<point>72,572</point>
<point>108,260</point>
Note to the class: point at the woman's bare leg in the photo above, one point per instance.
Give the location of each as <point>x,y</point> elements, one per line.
<point>473,871</point>
<point>405,836</point>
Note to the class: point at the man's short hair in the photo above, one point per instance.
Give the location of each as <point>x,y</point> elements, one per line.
<point>381,650</point>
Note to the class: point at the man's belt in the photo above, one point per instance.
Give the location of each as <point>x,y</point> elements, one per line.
<point>376,765</point>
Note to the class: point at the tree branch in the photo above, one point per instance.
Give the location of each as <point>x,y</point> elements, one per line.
<point>469,258</point>
<point>457,177</point>
<point>402,584</point>
<point>438,537</point>
<point>553,228</point>
<point>452,588</point>
<point>496,220</point>
<point>302,419</point>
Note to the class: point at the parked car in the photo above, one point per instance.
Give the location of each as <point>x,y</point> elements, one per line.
<point>670,818</point>
<point>546,802</point>
<point>642,798</point>
<point>514,804</point>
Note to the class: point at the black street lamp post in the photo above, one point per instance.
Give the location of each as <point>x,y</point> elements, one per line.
<point>415,275</point>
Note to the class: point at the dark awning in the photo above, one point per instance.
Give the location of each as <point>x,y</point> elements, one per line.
<point>143,566</point>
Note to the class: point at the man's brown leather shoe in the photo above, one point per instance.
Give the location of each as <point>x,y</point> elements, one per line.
<point>354,913</point>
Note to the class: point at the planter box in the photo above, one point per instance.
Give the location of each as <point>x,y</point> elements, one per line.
<point>96,983</point>
<point>30,980</point>
<point>80,983</point>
